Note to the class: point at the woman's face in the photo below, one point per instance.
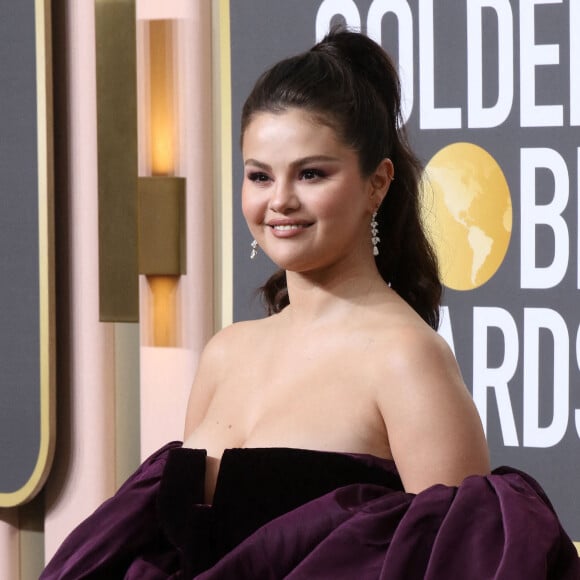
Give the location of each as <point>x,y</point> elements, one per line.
<point>303,196</point>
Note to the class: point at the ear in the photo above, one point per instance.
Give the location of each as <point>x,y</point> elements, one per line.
<point>380,181</point>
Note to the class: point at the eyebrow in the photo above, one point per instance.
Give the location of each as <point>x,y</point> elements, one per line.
<point>298,163</point>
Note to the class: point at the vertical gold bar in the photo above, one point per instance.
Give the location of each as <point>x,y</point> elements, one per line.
<point>115,28</point>
<point>223,208</point>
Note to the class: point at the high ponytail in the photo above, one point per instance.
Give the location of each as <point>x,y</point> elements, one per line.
<point>349,83</point>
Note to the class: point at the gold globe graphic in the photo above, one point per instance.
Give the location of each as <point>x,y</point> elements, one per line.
<point>467,211</point>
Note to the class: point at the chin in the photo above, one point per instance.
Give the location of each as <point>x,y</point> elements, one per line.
<point>292,264</point>
<point>296,261</point>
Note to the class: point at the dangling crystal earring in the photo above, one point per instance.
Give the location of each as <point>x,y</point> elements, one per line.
<point>374,234</point>
<point>254,251</point>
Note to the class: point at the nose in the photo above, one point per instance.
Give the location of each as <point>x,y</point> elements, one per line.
<point>284,198</point>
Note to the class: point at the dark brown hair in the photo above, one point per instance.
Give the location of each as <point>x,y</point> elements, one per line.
<point>348,82</point>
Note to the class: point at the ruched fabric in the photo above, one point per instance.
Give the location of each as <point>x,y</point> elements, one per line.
<point>297,514</point>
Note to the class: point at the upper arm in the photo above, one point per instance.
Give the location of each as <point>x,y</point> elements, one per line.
<point>434,430</point>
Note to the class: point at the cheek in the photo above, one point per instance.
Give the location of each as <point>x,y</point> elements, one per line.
<point>336,207</point>
<point>251,207</point>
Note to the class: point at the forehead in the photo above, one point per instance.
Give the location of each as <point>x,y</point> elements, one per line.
<point>290,125</point>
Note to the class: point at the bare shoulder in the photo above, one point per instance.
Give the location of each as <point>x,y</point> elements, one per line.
<point>434,430</point>
<point>415,347</point>
<point>217,361</point>
<point>230,337</point>
<point>417,364</point>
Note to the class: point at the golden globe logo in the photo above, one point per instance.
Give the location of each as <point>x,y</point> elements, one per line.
<point>467,210</point>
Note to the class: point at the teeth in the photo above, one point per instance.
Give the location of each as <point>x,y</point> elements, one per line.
<point>288,227</point>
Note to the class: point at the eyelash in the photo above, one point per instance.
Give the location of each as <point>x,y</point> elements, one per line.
<point>314,174</point>
<point>258,177</point>
<point>309,174</point>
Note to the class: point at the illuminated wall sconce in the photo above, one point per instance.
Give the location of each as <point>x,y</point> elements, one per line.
<point>141,220</point>
<point>162,195</point>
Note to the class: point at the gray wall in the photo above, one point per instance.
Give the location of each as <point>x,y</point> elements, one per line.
<point>19,255</point>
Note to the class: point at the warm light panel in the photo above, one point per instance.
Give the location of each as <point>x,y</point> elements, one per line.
<point>162,104</point>
<point>164,309</point>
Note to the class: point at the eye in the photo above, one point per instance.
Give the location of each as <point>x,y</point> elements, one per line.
<point>310,174</point>
<point>258,177</point>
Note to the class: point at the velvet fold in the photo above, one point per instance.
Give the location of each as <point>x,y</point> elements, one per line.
<point>299,514</point>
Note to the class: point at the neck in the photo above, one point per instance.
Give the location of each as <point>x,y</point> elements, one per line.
<point>329,296</point>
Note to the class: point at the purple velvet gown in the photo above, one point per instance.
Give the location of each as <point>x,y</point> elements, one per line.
<point>297,514</point>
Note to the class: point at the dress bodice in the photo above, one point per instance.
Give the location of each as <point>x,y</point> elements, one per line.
<point>254,486</point>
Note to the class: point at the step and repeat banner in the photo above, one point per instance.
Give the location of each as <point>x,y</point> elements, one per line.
<point>492,105</point>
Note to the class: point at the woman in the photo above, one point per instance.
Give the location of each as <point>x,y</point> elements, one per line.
<point>296,422</point>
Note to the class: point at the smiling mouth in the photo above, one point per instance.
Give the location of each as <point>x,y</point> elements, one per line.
<point>287,227</point>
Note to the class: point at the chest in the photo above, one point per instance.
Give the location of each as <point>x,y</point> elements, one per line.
<point>298,397</point>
